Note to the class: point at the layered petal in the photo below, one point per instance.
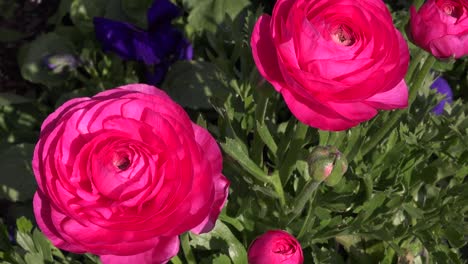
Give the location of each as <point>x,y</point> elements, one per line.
<point>441,28</point>
<point>123,172</point>
<point>275,247</point>
<point>264,52</point>
<point>164,249</point>
<point>331,59</point>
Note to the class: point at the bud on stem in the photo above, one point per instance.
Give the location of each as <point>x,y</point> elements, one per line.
<point>327,163</point>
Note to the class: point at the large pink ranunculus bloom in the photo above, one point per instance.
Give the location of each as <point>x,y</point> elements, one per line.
<point>441,27</point>
<point>275,247</point>
<point>336,62</point>
<point>123,173</point>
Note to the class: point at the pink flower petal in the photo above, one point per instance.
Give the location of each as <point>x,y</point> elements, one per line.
<point>164,249</point>
<point>394,98</point>
<point>264,51</point>
<point>315,114</point>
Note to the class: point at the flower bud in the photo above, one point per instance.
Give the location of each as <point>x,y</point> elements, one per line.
<point>327,163</point>
<point>275,247</point>
<point>59,63</point>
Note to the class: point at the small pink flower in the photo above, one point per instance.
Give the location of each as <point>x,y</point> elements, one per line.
<point>123,173</point>
<point>335,62</point>
<point>275,247</point>
<point>441,27</point>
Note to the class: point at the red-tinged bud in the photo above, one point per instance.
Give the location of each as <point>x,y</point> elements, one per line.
<point>327,163</point>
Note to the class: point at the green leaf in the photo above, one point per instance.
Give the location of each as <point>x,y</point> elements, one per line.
<point>266,137</point>
<point>234,149</point>
<point>368,208</point>
<point>32,59</point>
<point>10,98</point>
<point>206,15</point>
<point>43,245</point>
<point>82,13</point>
<point>232,221</point>
<point>327,256</point>
<point>187,249</point>
<point>33,258</point>
<point>24,225</point>
<point>413,211</point>
<point>200,81</point>
<point>221,259</point>
<point>235,249</point>
<point>17,182</point>
<point>454,236</point>
<point>287,158</point>
<point>25,241</point>
<point>62,10</point>
<point>323,137</point>
<point>136,10</point>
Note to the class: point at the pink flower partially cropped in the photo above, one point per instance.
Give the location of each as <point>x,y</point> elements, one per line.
<point>275,247</point>
<point>123,173</point>
<point>441,27</point>
<point>335,62</point>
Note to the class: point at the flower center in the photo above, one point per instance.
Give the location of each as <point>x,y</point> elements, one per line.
<point>343,35</point>
<point>122,162</point>
<point>284,248</point>
<point>450,8</point>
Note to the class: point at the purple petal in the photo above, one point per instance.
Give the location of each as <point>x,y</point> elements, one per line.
<point>161,12</point>
<point>124,39</point>
<point>170,44</point>
<point>442,87</point>
<point>186,50</point>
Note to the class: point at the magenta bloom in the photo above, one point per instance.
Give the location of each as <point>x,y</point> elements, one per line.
<point>335,62</point>
<point>275,247</point>
<point>441,27</point>
<point>442,87</point>
<point>123,173</point>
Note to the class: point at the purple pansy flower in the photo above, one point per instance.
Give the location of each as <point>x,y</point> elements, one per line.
<point>158,47</point>
<point>442,87</point>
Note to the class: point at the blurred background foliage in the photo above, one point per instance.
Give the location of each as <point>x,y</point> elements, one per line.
<point>403,199</point>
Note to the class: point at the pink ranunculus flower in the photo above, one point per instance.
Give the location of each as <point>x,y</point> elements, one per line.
<point>275,247</point>
<point>335,62</point>
<point>123,173</point>
<point>441,27</point>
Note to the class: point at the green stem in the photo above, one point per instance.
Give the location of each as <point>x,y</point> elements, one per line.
<point>307,219</point>
<point>413,64</point>
<point>375,139</point>
<point>260,111</point>
<point>417,84</point>
<point>184,242</point>
<point>176,260</point>
<point>420,76</point>
<point>278,186</point>
<point>304,196</point>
